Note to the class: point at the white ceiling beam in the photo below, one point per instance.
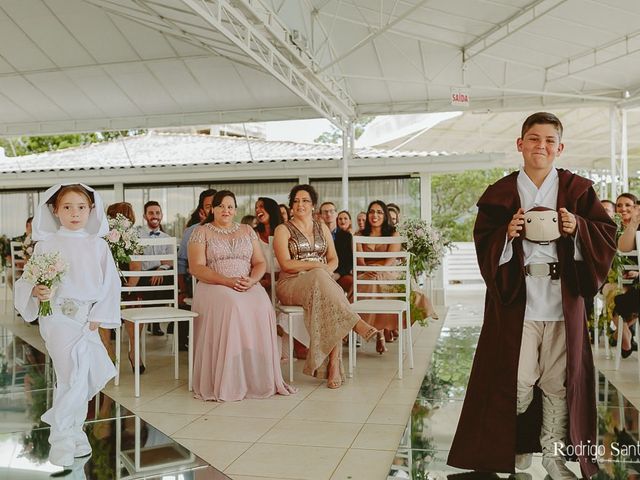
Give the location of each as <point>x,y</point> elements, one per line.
<point>595,57</point>
<point>528,14</point>
<point>293,70</point>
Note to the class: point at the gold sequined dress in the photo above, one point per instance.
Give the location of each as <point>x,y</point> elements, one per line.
<point>328,315</point>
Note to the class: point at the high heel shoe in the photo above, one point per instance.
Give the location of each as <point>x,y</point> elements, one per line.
<point>141,369</point>
<point>368,334</point>
<point>380,344</point>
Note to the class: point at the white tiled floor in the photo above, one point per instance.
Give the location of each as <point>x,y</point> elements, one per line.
<point>349,433</point>
<point>318,433</point>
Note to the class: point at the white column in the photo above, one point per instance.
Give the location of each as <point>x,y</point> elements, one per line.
<point>303,180</point>
<point>118,192</point>
<point>614,163</point>
<point>425,196</point>
<point>624,154</point>
<point>347,155</point>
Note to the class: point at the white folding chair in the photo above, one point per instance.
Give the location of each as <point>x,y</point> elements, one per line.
<point>293,312</point>
<point>17,266</point>
<point>150,311</point>
<point>621,282</point>
<point>390,302</point>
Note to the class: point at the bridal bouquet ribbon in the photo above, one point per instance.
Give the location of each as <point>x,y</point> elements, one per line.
<point>122,239</point>
<point>45,269</point>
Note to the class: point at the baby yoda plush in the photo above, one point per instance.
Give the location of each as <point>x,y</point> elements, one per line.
<point>541,225</point>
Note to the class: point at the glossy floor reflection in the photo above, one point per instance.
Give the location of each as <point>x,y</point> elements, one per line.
<point>124,445</point>
<point>426,441</point>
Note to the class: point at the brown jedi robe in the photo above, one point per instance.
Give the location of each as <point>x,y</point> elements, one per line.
<point>489,432</point>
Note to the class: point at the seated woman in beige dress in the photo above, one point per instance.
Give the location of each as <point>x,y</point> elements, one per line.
<point>307,257</point>
<point>377,224</point>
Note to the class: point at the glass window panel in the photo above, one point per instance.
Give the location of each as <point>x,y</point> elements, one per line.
<point>14,211</point>
<point>404,192</point>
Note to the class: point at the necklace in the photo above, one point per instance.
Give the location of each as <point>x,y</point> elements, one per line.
<point>225,231</point>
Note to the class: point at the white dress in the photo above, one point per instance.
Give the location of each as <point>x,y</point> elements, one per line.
<point>91,287</point>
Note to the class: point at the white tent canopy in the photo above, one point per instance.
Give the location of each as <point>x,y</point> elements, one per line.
<point>587,136</point>
<point>88,65</point>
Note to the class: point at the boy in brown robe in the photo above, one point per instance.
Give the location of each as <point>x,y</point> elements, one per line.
<point>532,382</point>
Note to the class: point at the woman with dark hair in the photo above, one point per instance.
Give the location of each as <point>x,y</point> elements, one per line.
<point>268,216</point>
<point>285,213</point>
<point>236,354</point>
<point>626,303</point>
<point>377,225</point>
<point>307,257</point>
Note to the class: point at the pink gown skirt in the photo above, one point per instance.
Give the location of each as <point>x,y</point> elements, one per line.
<point>235,350</point>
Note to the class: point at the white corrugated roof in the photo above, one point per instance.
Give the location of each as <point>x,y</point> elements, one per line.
<point>162,150</point>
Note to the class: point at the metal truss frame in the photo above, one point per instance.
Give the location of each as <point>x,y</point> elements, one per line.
<point>518,21</point>
<point>252,34</point>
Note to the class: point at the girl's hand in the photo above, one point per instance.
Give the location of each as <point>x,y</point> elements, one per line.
<point>41,292</point>
<point>93,326</point>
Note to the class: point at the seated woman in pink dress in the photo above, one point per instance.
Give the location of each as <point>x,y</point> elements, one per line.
<point>236,354</point>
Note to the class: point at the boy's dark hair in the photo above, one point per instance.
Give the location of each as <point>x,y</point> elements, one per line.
<point>542,118</point>
<point>151,203</point>
<point>608,201</point>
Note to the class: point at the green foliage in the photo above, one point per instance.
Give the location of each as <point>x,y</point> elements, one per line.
<point>334,136</point>
<point>454,198</point>
<point>39,144</point>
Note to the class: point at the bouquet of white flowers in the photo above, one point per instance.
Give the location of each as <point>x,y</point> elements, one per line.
<point>426,244</point>
<point>122,239</point>
<point>45,269</point>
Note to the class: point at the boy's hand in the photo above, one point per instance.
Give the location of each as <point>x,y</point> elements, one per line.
<point>568,221</point>
<point>42,292</point>
<point>516,224</point>
<point>94,325</point>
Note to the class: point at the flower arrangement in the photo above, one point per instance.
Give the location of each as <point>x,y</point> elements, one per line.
<point>27,247</point>
<point>122,239</point>
<point>5,246</point>
<point>45,269</point>
<point>426,244</point>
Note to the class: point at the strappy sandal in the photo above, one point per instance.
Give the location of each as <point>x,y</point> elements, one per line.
<point>380,344</point>
<point>333,384</point>
<point>369,334</point>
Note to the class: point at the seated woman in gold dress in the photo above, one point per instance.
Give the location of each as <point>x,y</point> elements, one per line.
<point>307,257</point>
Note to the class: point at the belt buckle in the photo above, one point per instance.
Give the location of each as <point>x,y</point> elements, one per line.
<point>539,269</point>
<point>69,308</point>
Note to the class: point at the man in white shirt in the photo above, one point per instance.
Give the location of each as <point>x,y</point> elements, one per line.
<point>153,229</point>
<point>532,383</point>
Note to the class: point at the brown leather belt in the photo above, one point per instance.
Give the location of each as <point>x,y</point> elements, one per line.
<point>543,270</point>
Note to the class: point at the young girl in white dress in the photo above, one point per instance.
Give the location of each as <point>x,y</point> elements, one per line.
<point>70,219</point>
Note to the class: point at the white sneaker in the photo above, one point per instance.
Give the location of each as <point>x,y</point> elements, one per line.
<point>523,460</point>
<point>557,469</point>
<point>61,455</point>
<point>83,447</point>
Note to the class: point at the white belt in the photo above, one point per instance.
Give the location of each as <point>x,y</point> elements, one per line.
<point>77,310</point>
